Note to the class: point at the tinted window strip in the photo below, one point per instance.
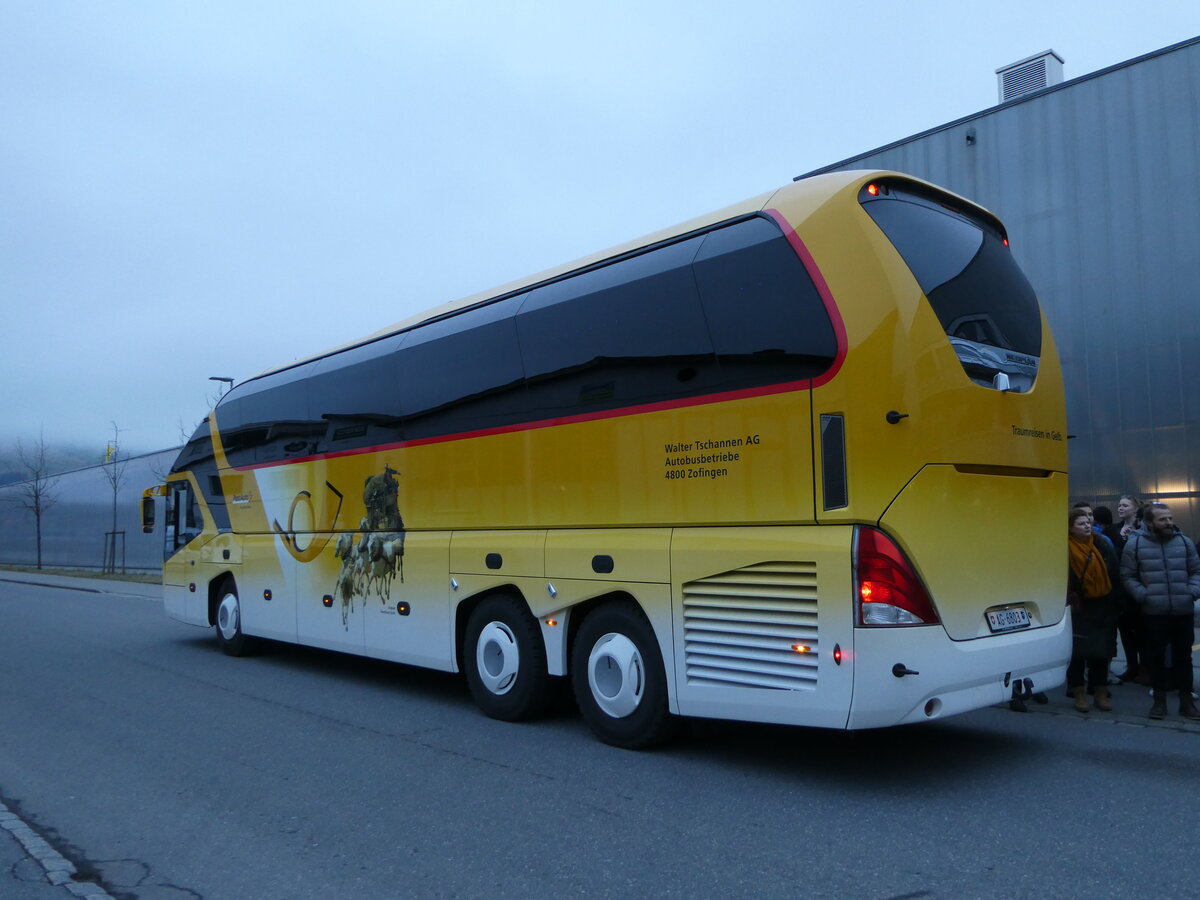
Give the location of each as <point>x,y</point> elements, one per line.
<point>616,412</point>
<point>254,445</point>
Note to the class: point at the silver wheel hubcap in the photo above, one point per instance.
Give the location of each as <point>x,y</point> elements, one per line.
<point>497,657</point>
<point>227,617</point>
<point>616,675</point>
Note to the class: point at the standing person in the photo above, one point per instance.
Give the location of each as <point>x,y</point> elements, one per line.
<point>1086,508</point>
<point>1129,518</point>
<point>1161,571</point>
<point>1129,625</point>
<point>1090,577</point>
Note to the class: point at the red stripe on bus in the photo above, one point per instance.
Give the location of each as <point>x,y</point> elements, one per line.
<point>745,393</point>
<point>835,316</point>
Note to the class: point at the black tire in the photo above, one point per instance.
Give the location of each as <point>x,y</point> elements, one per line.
<point>619,680</point>
<point>505,660</point>
<point>227,621</point>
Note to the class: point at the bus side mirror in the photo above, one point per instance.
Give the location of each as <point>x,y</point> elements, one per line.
<point>147,515</point>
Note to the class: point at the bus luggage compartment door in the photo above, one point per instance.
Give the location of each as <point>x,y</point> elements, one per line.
<point>763,623</point>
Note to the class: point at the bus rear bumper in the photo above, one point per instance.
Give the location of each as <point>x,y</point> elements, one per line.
<point>951,677</point>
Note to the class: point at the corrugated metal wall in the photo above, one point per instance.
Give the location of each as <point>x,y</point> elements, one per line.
<point>1097,180</point>
<point>73,528</point>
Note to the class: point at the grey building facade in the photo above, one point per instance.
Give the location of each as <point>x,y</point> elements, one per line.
<point>1098,182</point>
<point>76,527</point>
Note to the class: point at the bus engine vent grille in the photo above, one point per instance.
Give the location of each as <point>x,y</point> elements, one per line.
<point>753,627</point>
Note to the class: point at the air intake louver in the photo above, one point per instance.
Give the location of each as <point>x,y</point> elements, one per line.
<point>1025,80</point>
<point>1029,75</point>
<point>741,628</point>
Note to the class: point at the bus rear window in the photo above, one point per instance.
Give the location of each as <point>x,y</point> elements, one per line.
<point>979,293</point>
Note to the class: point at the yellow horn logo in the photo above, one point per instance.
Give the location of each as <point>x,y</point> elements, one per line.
<point>291,540</point>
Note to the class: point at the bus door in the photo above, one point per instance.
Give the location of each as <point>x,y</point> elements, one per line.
<point>183,525</point>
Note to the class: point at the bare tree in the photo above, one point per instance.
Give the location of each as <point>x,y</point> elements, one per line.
<point>36,492</point>
<point>114,473</point>
<point>162,470</point>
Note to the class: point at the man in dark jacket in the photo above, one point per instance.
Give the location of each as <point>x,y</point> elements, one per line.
<point>1161,571</point>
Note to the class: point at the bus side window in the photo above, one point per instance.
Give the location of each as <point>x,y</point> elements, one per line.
<point>626,333</point>
<point>767,319</point>
<point>463,373</point>
<point>267,419</point>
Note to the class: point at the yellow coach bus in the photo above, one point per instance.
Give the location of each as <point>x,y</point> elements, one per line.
<point>799,461</point>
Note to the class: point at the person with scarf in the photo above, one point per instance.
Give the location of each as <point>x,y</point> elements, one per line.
<point>1092,571</point>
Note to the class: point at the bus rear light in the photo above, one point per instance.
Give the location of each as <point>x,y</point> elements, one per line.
<point>801,648</point>
<point>873,190</point>
<point>889,590</point>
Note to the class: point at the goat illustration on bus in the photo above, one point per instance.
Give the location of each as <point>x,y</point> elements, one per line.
<point>857,355</point>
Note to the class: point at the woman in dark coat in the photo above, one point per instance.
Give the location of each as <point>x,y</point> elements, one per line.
<point>1092,573</point>
<point>1129,625</point>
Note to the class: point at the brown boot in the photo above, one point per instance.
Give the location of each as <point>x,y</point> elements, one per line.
<point>1158,709</point>
<point>1187,708</point>
<point>1080,695</point>
<point>1103,701</point>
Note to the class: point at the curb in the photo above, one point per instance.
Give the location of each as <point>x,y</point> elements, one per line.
<point>59,870</point>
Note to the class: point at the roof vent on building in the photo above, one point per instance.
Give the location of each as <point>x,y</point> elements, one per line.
<point>1029,75</point>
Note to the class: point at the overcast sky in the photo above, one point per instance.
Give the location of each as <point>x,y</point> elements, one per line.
<point>214,188</point>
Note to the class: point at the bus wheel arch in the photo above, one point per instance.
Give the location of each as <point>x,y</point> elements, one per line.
<point>504,657</point>
<point>225,613</point>
<point>618,675</point>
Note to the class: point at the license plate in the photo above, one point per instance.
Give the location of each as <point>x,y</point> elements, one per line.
<point>1007,619</point>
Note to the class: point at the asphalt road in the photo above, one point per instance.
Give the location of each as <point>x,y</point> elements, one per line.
<point>164,769</point>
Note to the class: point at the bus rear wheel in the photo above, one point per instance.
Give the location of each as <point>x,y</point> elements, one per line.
<point>619,680</point>
<point>505,660</point>
<point>228,621</point>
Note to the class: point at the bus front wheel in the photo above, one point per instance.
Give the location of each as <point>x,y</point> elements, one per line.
<point>229,621</point>
<point>619,680</point>
<point>505,660</point>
